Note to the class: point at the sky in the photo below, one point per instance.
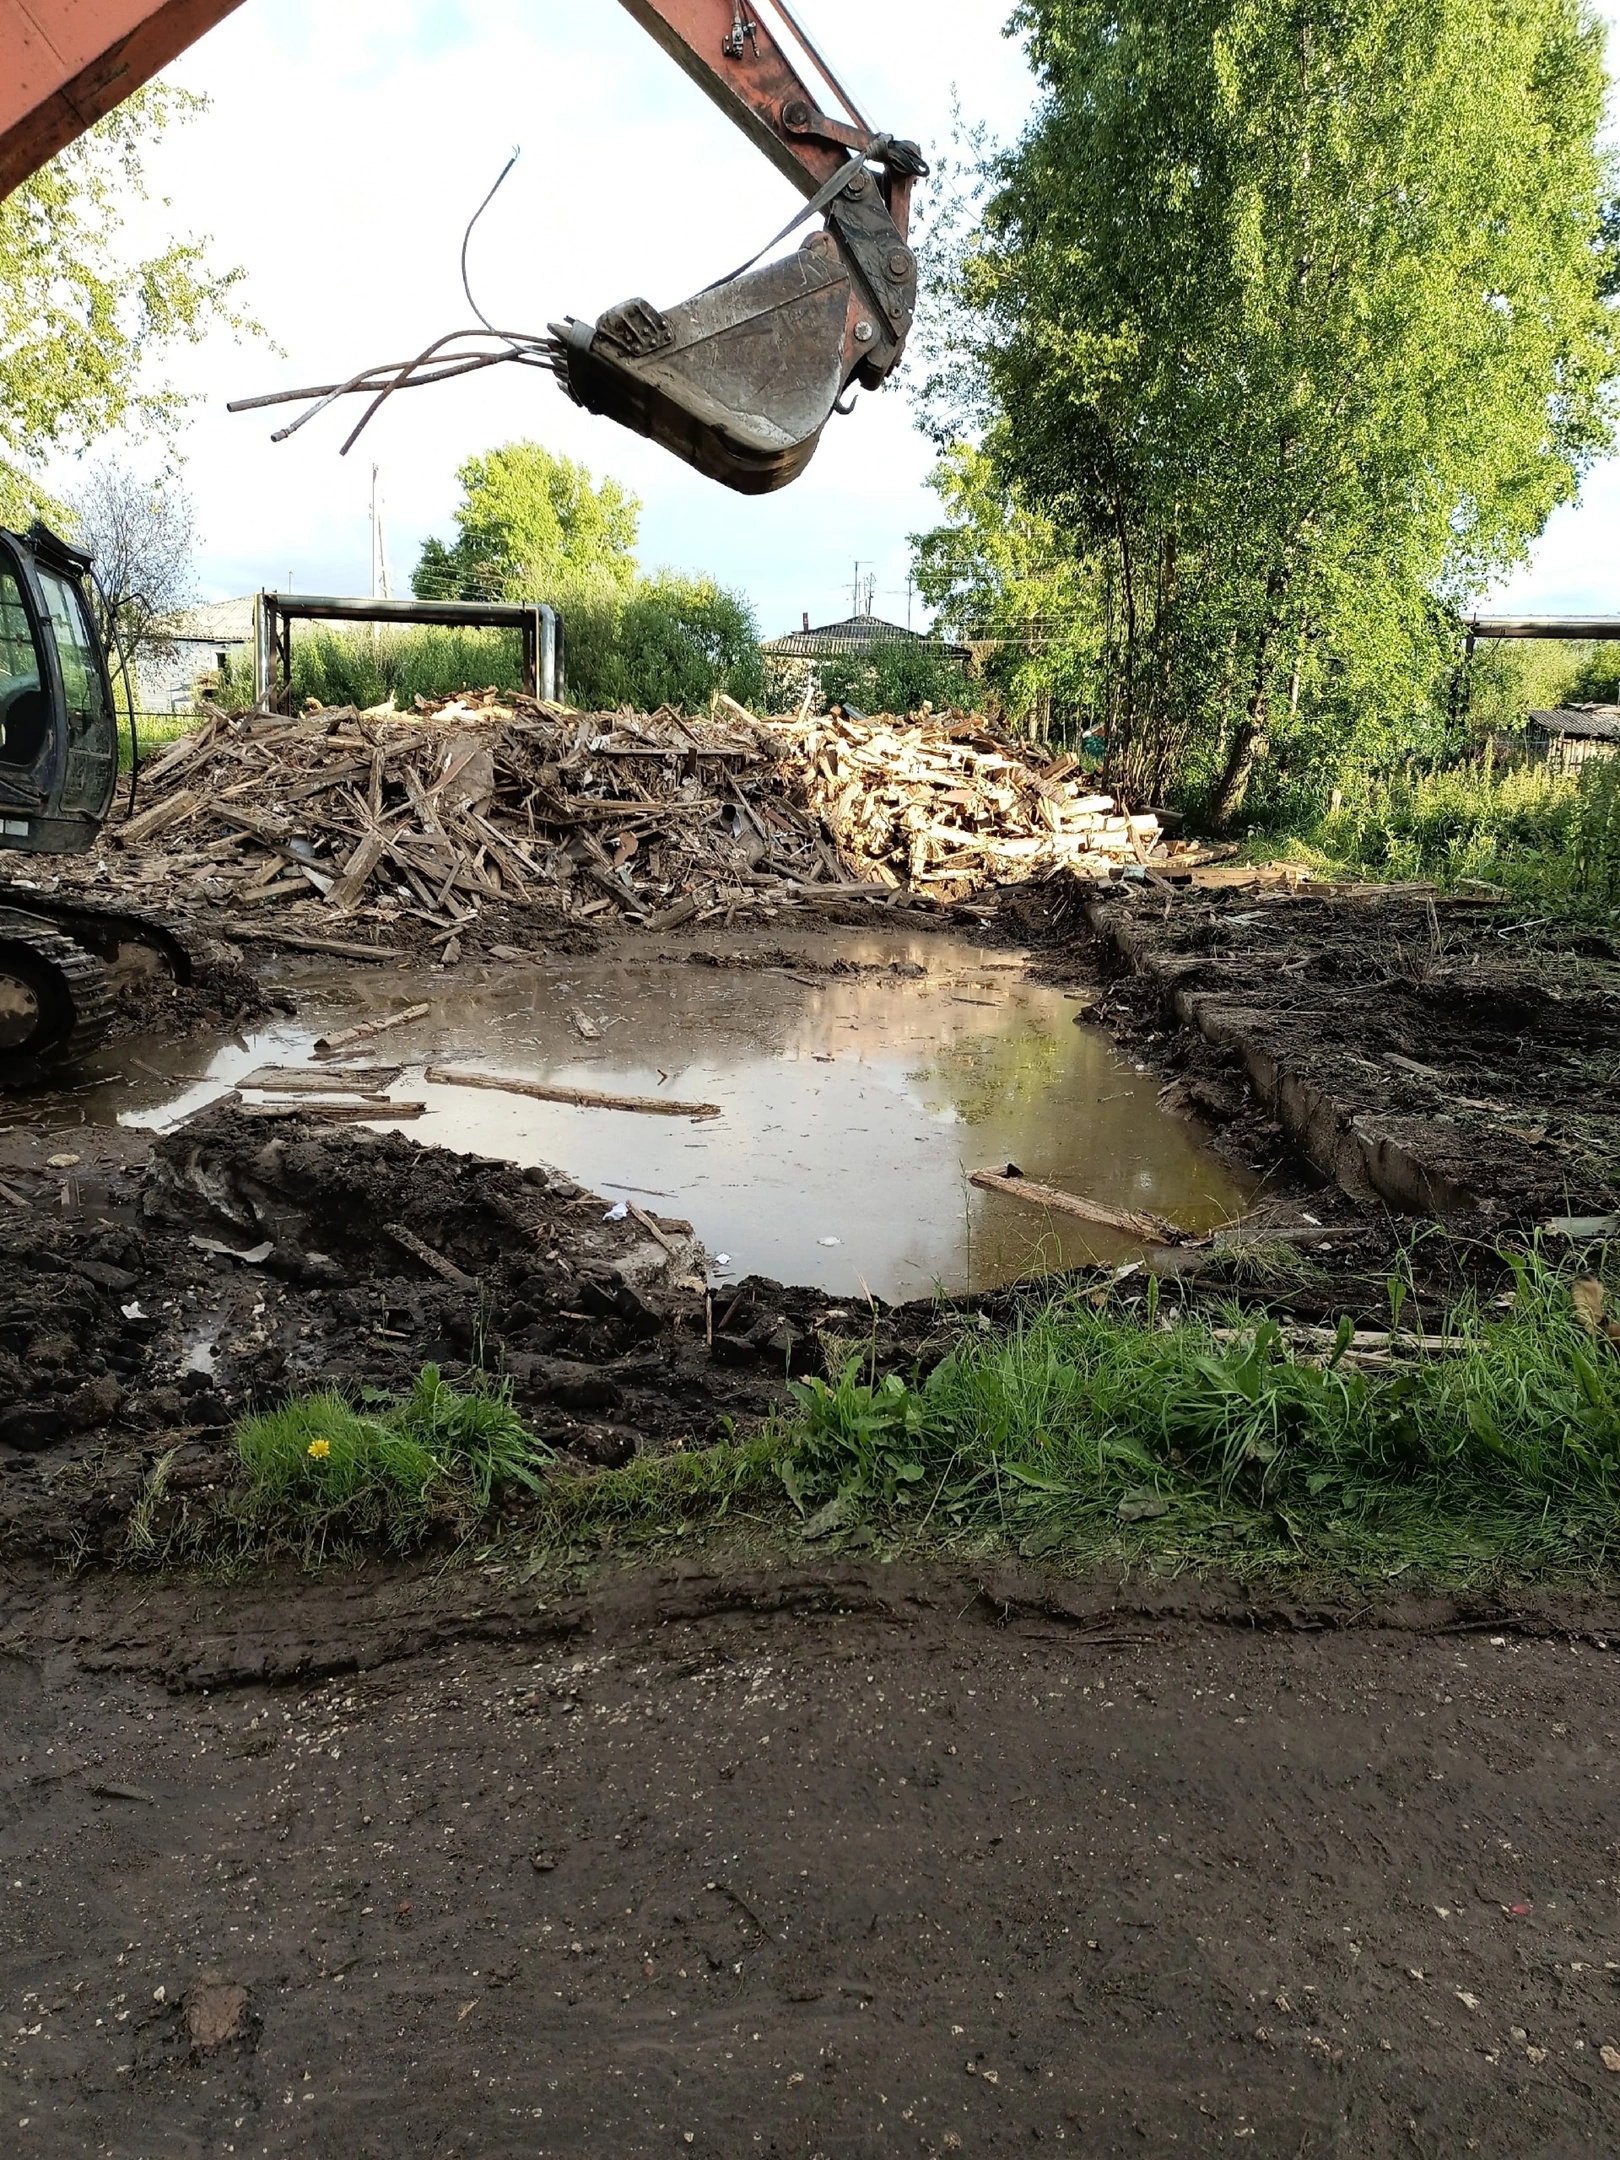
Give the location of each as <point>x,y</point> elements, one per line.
<point>342,153</point>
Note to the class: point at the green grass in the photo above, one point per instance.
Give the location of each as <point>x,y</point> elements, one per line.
<point>1085,1435</point>
<point>323,1473</point>
<point>338,667</point>
<point>1084,1429</point>
<point>1094,1430</point>
<point>153,730</point>
<point>1550,841</point>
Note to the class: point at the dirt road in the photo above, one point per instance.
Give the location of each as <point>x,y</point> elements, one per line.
<point>864,1864</point>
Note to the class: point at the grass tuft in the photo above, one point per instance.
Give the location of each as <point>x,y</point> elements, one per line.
<point>322,1471</point>
<point>1092,1429</point>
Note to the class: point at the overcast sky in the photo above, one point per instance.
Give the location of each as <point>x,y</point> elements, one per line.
<point>342,153</point>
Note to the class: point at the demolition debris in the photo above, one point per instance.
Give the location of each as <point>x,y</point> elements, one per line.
<point>344,832</point>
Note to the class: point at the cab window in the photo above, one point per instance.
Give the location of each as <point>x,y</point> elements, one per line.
<point>78,655</point>
<point>24,711</point>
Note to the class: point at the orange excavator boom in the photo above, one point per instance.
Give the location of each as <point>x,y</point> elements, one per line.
<point>66,63</point>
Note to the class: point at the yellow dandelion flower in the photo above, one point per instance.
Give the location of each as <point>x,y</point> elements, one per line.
<point>320,1449</point>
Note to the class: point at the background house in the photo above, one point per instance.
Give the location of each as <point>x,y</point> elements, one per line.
<point>1570,736</point>
<point>794,664</point>
<point>204,641</point>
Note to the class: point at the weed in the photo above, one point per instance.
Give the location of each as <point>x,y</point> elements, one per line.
<point>1079,1425</point>
<point>321,1468</point>
<point>140,1535</point>
<point>1550,839</point>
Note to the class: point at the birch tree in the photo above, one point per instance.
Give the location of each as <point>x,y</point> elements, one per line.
<point>1288,315</point>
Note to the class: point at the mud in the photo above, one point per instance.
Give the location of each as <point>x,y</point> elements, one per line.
<point>844,1862</point>
<point>158,1285</point>
<point>853,1864</point>
<point>1431,1057</point>
<point>236,1264</point>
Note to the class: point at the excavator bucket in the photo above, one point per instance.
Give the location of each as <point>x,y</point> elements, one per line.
<point>739,381</point>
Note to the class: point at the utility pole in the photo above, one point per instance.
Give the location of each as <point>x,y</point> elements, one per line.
<point>866,585</point>
<point>379,544</point>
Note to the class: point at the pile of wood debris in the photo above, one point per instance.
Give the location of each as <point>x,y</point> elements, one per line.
<point>339,828</point>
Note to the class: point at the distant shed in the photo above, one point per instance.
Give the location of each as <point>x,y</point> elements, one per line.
<point>794,661</point>
<point>172,672</point>
<point>1574,734</point>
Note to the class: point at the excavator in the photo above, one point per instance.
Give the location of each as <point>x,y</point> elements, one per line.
<point>739,381</point>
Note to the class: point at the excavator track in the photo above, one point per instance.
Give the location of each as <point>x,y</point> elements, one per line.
<point>56,1002</point>
<point>127,941</point>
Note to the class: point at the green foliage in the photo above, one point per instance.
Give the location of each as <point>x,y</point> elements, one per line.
<point>898,675</point>
<point>1505,1446</point>
<point>1288,322</point>
<point>321,1469</point>
<point>1552,839</point>
<point>996,571</point>
<point>1596,680</point>
<point>528,521</point>
<point>857,1440</point>
<point>1508,679</point>
<point>663,640</point>
<point>82,325</point>
<point>351,667</point>
<point>536,527</point>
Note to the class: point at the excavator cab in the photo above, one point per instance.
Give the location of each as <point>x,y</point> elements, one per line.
<point>58,723</point>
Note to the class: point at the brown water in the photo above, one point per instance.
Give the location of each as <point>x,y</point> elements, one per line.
<point>853,1109</point>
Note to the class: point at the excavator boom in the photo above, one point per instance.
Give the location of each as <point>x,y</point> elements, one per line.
<point>66,63</point>
<point>741,379</point>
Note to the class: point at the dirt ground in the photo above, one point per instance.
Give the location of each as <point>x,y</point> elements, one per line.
<point>857,1865</point>
<point>430,1859</point>
<point>1430,1055</point>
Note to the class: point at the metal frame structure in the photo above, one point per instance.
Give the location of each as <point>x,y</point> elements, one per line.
<point>275,613</point>
<point>1573,627</point>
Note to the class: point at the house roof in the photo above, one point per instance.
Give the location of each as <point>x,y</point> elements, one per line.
<point>1588,723</point>
<point>221,622</point>
<point>855,634</point>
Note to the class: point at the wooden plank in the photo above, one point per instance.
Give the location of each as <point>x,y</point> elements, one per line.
<point>240,934</point>
<point>334,1045</point>
<point>1152,1229</point>
<point>136,831</point>
<point>435,1262</point>
<point>305,1079</point>
<point>578,1098</point>
<point>378,1112</point>
<point>356,874</point>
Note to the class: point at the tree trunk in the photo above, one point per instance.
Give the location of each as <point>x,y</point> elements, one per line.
<point>1248,747</point>
<point>1250,739</point>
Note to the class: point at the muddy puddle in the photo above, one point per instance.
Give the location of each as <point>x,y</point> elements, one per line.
<point>853,1106</point>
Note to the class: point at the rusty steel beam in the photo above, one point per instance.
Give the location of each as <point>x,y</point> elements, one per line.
<point>1578,628</point>
<point>752,81</point>
<point>65,63</point>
